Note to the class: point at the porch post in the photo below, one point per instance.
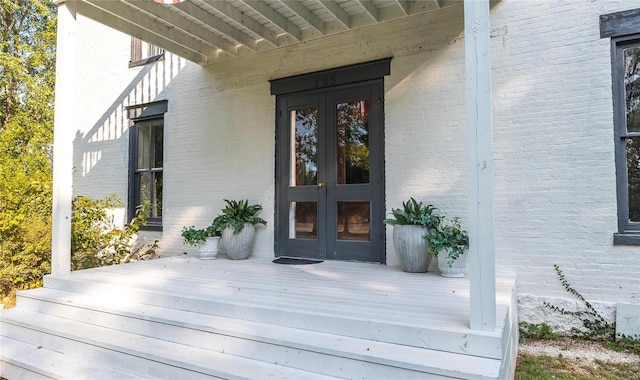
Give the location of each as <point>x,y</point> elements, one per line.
<point>480,165</point>
<point>63,139</point>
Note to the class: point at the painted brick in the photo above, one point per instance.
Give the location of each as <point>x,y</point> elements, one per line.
<point>554,189</point>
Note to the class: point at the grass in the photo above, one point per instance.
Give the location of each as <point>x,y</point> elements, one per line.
<point>540,367</point>
<point>534,367</point>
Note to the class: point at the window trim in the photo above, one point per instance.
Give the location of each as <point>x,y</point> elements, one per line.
<point>136,54</point>
<point>623,28</point>
<point>147,112</point>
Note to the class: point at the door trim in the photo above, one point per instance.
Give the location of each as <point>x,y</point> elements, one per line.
<point>322,82</point>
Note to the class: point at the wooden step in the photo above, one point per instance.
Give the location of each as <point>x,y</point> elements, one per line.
<point>333,318</point>
<point>313,351</point>
<point>144,356</point>
<point>19,360</point>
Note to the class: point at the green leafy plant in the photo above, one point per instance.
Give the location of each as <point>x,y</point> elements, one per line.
<point>97,241</point>
<point>449,238</point>
<point>193,236</point>
<point>236,214</point>
<point>594,325</point>
<point>536,331</point>
<point>415,213</point>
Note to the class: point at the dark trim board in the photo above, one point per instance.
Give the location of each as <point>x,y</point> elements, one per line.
<point>360,72</point>
<point>620,23</point>
<point>141,111</point>
<point>626,239</point>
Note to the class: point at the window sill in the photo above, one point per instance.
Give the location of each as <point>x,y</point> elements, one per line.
<point>626,239</point>
<point>151,227</point>
<point>146,61</point>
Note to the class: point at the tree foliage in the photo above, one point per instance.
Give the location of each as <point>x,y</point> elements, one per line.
<point>27,62</point>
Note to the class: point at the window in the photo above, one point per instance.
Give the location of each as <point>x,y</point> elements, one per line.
<point>624,30</point>
<point>146,158</point>
<point>143,53</point>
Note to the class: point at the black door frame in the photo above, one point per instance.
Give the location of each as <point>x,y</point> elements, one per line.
<point>325,84</point>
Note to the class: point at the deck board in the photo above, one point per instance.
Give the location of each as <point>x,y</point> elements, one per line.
<point>340,319</point>
<point>355,289</point>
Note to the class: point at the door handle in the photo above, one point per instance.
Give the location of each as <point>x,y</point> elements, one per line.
<point>321,184</point>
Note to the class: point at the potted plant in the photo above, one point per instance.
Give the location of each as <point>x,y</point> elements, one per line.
<point>206,239</point>
<point>237,224</point>
<point>449,243</point>
<point>411,224</point>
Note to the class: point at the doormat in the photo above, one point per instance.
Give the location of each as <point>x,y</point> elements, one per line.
<point>294,261</point>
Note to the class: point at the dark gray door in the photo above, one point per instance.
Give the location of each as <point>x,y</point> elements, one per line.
<point>329,173</point>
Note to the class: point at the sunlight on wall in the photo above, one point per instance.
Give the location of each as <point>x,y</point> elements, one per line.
<point>89,160</point>
<point>146,86</point>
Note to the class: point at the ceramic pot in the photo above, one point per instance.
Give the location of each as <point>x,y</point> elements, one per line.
<point>411,247</point>
<point>238,246</point>
<point>450,268</point>
<point>208,250</point>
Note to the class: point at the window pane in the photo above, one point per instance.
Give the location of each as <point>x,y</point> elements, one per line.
<point>353,221</point>
<point>158,140</point>
<point>156,209</point>
<point>304,160</point>
<point>353,142</point>
<point>145,182</point>
<point>144,133</point>
<point>304,223</point>
<point>632,87</point>
<point>633,174</point>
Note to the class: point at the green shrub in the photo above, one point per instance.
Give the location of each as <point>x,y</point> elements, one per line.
<point>97,241</point>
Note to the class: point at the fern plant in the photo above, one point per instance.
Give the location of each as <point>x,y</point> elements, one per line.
<point>236,214</point>
<point>415,213</point>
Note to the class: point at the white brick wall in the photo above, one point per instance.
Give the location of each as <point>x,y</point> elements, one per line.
<point>553,135</point>
<point>555,194</point>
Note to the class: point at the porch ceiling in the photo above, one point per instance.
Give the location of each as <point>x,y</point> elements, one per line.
<point>207,31</point>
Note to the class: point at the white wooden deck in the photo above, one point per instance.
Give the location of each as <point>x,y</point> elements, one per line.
<point>188,318</point>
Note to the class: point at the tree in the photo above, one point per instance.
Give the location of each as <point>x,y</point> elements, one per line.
<point>27,75</point>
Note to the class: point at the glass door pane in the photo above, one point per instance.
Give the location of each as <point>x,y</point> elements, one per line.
<point>304,147</point>
<point>352,124</point>
<point>303,222</point>
<point>353,221</point>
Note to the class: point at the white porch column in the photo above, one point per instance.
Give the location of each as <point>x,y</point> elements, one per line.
<point>479,151</point>
<point>63,139</point>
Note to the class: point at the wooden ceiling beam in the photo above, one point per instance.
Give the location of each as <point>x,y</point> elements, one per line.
<point>181,22</point>
<point>370,9</point>
<point>404,6</point>
<point>337,11</point>
<point>304,13</point>
<point>191,11</point>
<point>275,18</point>
<point>198,54</point>
<point>240,18</point>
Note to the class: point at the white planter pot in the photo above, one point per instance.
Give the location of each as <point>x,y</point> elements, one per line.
<point>411,247</point>
<point>208,250</point>
<point>238,246</point>
<point>455,268</point>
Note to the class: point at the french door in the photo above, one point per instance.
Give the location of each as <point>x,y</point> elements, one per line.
<point>330,188</point>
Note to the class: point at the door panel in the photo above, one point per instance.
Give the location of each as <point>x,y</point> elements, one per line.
<point>330,163</point>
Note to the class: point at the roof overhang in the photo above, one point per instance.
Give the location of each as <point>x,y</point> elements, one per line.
<point>207,31</point>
